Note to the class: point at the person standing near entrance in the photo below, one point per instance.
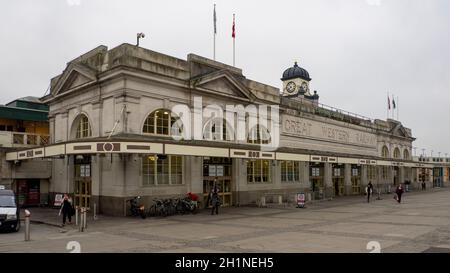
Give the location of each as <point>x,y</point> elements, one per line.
<point>369,191</point>
<point>66,209</point>
<point>215,200</point>
<point>399,191</point>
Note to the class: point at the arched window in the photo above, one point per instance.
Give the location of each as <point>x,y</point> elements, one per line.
<point>83,127</point>
<point>160,122</point>
<point>406,154</point>
<point>396,153</point>
<point>259,135</point>
<point>385,152</point>
<point>217,129</point>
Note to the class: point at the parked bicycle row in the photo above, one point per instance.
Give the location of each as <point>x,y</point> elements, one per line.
<point>164,207</point>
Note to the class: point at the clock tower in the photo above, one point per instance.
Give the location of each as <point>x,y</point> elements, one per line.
<point>296,82</point>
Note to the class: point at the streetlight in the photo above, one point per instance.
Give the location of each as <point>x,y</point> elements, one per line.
<point>139,36</point>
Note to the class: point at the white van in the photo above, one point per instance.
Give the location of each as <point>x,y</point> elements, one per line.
<point>9,211</point>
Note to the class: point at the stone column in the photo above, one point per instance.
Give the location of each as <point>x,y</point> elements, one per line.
<point>305,183</point>
<point>275,173</point>
<point>328,181</point>
<point>364,180</point>
<point>401,175</point>
<point>347,179</point>
<point>239,172</point>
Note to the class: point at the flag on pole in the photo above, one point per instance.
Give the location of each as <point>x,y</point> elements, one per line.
<point>389,103</point>
<point>215,19</point>
<point>393,102</point>
<point>233,33</point>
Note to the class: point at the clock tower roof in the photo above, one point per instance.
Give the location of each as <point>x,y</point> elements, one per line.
<point>295,72</point>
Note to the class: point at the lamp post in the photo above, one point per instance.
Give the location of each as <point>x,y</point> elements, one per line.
<point>139,36</point>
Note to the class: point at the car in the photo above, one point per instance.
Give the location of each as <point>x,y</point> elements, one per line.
<point>9,211</point>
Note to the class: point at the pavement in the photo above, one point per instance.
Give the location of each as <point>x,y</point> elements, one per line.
<point>421,223</point>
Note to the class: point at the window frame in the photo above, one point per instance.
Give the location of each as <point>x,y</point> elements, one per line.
<point>158,166</point>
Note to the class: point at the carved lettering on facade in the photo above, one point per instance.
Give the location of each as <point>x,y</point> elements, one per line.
<point>321,131</point>
<point>297,126</point>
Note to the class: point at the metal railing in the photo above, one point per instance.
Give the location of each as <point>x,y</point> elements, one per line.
<point>18,139</point>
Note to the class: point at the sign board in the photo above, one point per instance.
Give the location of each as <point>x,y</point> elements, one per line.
<point>219,170</point>
<point>2,187</point>
<point>300,200</point>
<point>212,170</point>
<point>58,200</point>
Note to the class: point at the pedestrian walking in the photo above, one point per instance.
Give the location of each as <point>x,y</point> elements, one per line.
<point>215,200</point>
<point>369,191</point>
<point>66,209</point>
<point>399,191</point>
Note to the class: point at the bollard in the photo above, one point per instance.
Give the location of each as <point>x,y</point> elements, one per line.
<point>84,218</point>
<point>95,211</point>
<point>27,225</point>
<point>76,215</point>
<point>81,220</point>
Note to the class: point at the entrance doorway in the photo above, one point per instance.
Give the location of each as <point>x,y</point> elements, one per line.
<point>356,179</point>
<point>28,191</point>
<point>396,171</point>
<point>217,172</point>
<point>316,171</point>
<point>83,181</point>
<point>338,179</point>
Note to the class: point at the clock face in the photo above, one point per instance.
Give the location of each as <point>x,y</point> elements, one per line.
<point>290,87</point>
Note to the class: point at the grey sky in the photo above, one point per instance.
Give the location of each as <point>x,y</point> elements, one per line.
<point>355,50</point>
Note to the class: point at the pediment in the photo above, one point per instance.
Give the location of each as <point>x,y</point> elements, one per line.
<point>399,130</point>
<point>222,82</point>
<point>74,76</point>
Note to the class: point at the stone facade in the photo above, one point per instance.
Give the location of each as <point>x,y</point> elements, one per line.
<point>117,89</point>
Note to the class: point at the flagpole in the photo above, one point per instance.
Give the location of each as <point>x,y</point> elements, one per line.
<point>214,44</point>
<point>389,106</point>
<point>234,39</point>
<point>397,109</point>
<point>393,110</point>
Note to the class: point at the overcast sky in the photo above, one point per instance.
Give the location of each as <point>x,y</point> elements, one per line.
<point>354,50</point>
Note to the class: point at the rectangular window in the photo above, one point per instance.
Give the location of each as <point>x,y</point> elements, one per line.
<point>290,171</point>
<point>337,171</point>
<point>371,172</point>
<point>315,171</point>
<point>166,170</point>
<point>384,172</point>
<point>258,171</point>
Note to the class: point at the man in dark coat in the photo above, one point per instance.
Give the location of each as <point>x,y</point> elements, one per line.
<point>399,191</point>
<point>215,200</point>
<point>369,190</point>
<point>66,209</point>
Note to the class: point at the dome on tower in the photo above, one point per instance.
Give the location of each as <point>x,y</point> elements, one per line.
<point>295,72</point>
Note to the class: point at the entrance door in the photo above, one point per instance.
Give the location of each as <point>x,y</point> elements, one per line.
<point>316,171</point>
<point>83,182</point>
<point>217,172</point>
<point>396,175</point>
<point>338,180</point>
<point>356,179</point>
